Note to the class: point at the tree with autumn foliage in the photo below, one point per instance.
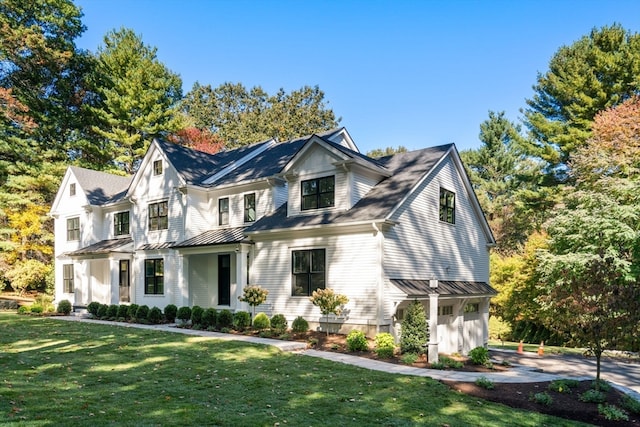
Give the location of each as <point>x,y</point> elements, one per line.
<point>198,139</point>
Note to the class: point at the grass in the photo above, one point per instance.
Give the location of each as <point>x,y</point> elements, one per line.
<point>78,373</point>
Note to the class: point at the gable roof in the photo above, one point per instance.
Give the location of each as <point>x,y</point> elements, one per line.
<point>100,187</point>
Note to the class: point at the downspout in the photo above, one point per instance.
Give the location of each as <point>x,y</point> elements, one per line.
<point>379,311</point>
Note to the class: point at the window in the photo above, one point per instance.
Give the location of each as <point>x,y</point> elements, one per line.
<point>473,307</point>
<point>318,193</point>
<point>249,207</point>
<point>158,216</point>
<point>67,278</point>
<point>445,310</point>
<point>223,211</point>
<point>154,276</point>
<point>72,189</point>
<point>157,167</point>
<point>121,223</point>
<point>73,228</point>
<point>447,206</point>
<point>308,271</point>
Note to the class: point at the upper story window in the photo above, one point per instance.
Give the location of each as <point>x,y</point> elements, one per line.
<point>72,189</point>
<point>447,206</point>
<point>318,193</point>
<point>159,216</point>
<point>308,269</point>
<point>157,167</point>
<point>250,207</point>
<point>154,276</point>
<point>73,228</point>
<point>121,223</point>
<point>223,211</point>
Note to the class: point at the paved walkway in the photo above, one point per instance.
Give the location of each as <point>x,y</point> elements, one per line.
<point>519,373</point>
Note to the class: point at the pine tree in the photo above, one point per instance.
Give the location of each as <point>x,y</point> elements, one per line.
<point>415,329</point>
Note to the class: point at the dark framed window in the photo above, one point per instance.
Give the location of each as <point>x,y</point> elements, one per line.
<point>447,206</point>
<point>223,211</point>
<point>73,228</point>
<point>250,207</point>
<point>72,189</point>
<point>308,271</point>
<point>157,167</point>
<point>154,276</point>
<point>67,278</point>
<point>445,310</point>
<point>473,307</point>
<point>159,216</point>
<point>318,193</point>
<point>121,223</point>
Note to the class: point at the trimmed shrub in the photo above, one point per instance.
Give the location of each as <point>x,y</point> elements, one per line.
<point>542,398</point>
<point>112,311</point>
<point>415,331</point>
<point>64,307</point>
<point>225,319</point>
<point>24,309</point>
<point>123,311</point>
<point>253,295</point>
<point>93,307</point>
<point>184,314</point>
<point>133,309</point>
<point>279,323</point>
<point>155,315</point>
<point>102,310</point>
<point>484,382</point>
<point>385,345</point>
<point>241,320</point>
<point>299,325</point>
<point>593,396</point>
<point>142,313</point>
<point>209,318</point>
<point>409,358</point>
<point>357,341</point>
<point>36,309</point>
<point>170,312</point>
<point>479,356</point>
<point>261,321</point>
<point>196,315</point>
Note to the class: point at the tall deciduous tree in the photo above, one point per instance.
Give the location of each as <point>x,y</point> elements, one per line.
<point>138,96</point>
<point>598,71</point>
<point>376,153</point>
<point>242,116</point>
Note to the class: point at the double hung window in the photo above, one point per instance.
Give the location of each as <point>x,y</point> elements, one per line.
<point>308,270</point>
<point>73,228</point>
<point>447,206</point>
<point>318,193</point>
<point>250,207</point>
<point>223,211</point>
<point>159,216</point>
<point>121,223</point>
<point>154,276</point>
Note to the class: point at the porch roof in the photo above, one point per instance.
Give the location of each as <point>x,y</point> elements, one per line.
<point>215,237</point>
<point>420,288</point>
<point>104,247</point>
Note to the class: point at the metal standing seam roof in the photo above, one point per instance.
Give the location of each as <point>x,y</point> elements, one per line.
<point>104,247</point>
<point>214,237</point>
<point>420,288</point>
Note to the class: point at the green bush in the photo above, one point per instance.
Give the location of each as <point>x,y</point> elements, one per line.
<point>225,319</point>
<point>479,356</point>
<point>299,325</point>
<point>563,385</point>
<point>155,315</point>
<point>142,313</point>
<point>133,309</point>
<point>415,331</point>
<point>209,318</point>
<point>123,311</point>
<point>36,309</point>
<point>484,382</point>
<point>241,320</point>
<point>24,309</point>
<point>357,341</point>
<point>613,413</point>
<point>385,345</point>
<point>601,385</point>
<point>112,311</point>
<point>184,313</point>
<point>93,307</point>
<point>196,315</point>
<point>64,307</point>
<point>409,358</point>
<point>261,321</point>
<point>170,312</point>
<point>279,323</point>
<point>593,396</point>
<point>542,398</point>
<point>103,309</point>
<point>630,404</point>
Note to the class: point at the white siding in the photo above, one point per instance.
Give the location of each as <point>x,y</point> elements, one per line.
<point>361,185</point>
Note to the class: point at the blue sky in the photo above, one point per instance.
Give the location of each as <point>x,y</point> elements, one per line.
<point>412,73</point>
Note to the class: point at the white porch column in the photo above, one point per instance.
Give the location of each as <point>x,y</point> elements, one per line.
<point>182,293</point>
<point>433,328</point>
<point>114,280</point>
<point>241,277</point>
<point>484,312</point>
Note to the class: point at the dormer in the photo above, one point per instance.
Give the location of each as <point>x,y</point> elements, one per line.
<point>326,176</point>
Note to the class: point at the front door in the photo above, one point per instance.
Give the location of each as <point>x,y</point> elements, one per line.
<point>124,280</point>
<point>224,279</point>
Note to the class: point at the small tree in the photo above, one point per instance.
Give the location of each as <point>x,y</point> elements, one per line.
<point>253,295</point>
<point>329,302</point>
<point>415,330</point>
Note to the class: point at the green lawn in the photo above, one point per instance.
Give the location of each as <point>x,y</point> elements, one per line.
<point>54,372</point>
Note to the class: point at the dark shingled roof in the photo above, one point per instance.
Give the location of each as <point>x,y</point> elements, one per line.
<point>101,187</point>
<point>215,237</point>
<point>378,203</point>
<point>420,288</point>
<point>103,247</point>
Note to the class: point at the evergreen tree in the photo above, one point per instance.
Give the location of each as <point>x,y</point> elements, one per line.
<point>415,329</point>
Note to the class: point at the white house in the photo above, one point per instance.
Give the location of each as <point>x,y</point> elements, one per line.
<point>190,228</point>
